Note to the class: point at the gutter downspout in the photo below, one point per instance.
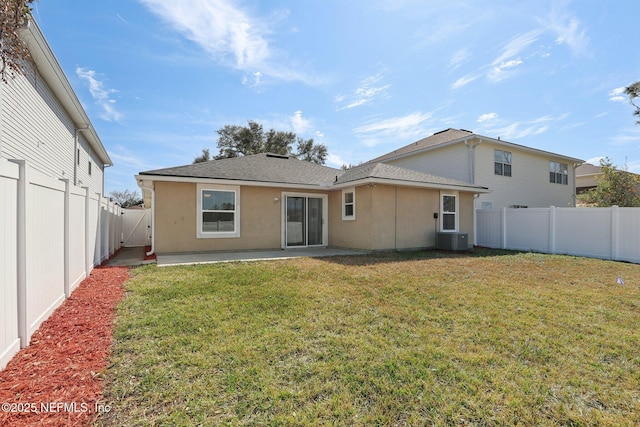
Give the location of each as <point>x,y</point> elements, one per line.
<point>471,158</point>
<point>575,182</point>
<point>76,158</point>
<point>153,217</point>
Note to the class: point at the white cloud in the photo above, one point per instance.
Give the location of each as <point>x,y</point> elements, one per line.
<point>629,136</point>
<point>522,129</point>
<point>487,117</point>
<point>100,94</point>
<point>501,71</point>
<point>459,58</point>
<point>595,160</point>
<point>218,26</point>
<point>394,129</point>
<point>230,35</point>
<point>568,29</point>
<point>299,123</point>
<point>252,79</point>
<point>367,92</point>
<point>516,46</point>
<point>464,80</point>
<point>616,95</point>
<point>336,161</point>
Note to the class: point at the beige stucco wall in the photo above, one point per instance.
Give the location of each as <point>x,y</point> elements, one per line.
<point>390,217</point>
<point>387,217</point>
<point>175,220</point>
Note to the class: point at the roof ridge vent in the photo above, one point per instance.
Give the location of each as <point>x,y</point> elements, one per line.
<point>464,130</point>
<point>277,156</point>
<point>442,131</point>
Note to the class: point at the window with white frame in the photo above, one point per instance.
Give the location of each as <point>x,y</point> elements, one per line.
<point>349,204</point>
<point>218,212</point>
<point>502,162</point>
<point>449,208</point>
<point>558,173</point>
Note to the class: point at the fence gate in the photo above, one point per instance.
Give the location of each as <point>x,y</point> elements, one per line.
<point>136,227</point>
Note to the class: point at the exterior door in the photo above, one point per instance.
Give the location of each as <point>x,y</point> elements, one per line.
<point>304,221</point>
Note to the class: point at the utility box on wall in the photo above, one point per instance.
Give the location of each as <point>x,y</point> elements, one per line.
<point>452,241</point>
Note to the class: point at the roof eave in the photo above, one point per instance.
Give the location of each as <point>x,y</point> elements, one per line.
<point>482,138</point>
<point>144,181</point>
<point>50,70</point>
<point>221,181</point>
<point>406,183</point>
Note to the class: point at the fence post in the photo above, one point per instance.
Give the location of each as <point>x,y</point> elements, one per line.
<point>552,229</point>
<point>615,214</point>
<point>504,228</point>
<point>67,231</point>
<point>21,234</point>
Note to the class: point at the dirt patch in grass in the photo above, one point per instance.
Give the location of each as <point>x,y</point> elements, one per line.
<point>58,379</point>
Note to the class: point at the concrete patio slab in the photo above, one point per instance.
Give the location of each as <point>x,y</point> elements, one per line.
<point>215,257</point>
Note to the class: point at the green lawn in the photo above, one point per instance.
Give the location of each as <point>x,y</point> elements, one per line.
<point>420,338</point>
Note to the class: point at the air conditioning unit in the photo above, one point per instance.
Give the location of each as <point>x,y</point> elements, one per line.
<point>452,241</point>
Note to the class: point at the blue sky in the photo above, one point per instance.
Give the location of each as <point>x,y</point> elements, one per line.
<point>159,77</point>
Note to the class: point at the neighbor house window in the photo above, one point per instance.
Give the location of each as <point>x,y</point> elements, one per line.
<point>89,167</point>
<point>558,173</point>
<point>78,157</point>
<point>449,212</point>
<point>502,162</point>
<point>349,204</point>
<point>218,213</point>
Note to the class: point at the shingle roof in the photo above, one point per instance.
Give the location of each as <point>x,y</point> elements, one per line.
<point>437,138</point>
<point>385,171</point>
<point>276,169</point>
<point>456,136</point>
<point>588,169</point>
<point>258,167</point>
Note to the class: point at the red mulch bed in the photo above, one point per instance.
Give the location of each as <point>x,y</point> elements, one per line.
<point>57,379</point>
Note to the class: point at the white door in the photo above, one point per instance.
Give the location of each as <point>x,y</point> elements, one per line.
<point>136,227</point>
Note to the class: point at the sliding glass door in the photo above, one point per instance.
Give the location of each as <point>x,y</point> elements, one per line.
<point>304,221</point>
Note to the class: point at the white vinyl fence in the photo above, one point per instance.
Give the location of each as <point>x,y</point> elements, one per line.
<point>53,234</point>
<point>606,233</point>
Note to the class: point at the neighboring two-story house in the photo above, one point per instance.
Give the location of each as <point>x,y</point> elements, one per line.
<point>43,122</point>
<point>587,176</point>
<point>517,176</point>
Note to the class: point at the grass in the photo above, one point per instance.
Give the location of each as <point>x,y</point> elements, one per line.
<point>418,338</point>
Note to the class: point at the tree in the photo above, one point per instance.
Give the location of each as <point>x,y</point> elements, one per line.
<point>237,141</point>
<point>13,49</point>
<point>204,157</point>
<point>614,187</point>
<point>126,198</point>
<point>634,91</point>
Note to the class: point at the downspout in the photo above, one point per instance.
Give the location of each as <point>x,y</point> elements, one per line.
<point>76,157</point>
<point>153,217</point>
<point>575,195</point>
<point>471,157</point>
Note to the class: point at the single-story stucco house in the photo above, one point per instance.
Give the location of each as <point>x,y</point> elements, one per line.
<point>268,201</point>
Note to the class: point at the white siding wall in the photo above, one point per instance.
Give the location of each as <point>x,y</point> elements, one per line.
<point>35,127</point>
<point>449,162</point>
<point>529,184</point>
